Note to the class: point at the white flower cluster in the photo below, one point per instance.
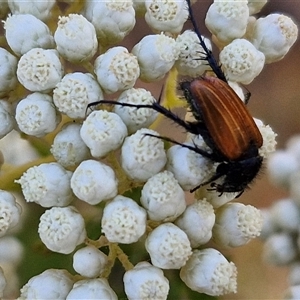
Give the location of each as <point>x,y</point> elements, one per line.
<point>107,160</point>
<point>281,227</point>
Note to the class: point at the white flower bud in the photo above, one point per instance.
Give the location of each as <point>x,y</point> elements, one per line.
<point>166,15</point>
<point>11,250</point>
<point>94,182</point>
<point>74,92</point>
<point>116,70</point>
<point>102,132</point>
<point>188,167</point>
<point>36,35</point>
<point>3,282</point>
<point>47,184</point>
<point>241,61</point>
<point>255,6</point>
<point>92,289</point>
<point>163,198</point>
<point>285,215</point>
<point>8,68</point>
<point>61,229</point>
<point>10,212</point>
<point>89,261</point>
<point>281,165</point>
<point>192,58</point>
<point>155,64</point>
<point>168,246</point>
<point>292,293</point>
<point>269,139</point>
<point>75,38</point>
<point>294,274</point>
<point>123,220</point>
<point>36,115</point>
<point>274,35</point>
<point>236,224</point>
<point>145,281</point>
<point>51,284</point>
<point>113,20</point>
<point>208,271</point>
<point>227,20</point>
<point>280,249</point>
<point>143,156</point>
<point>197,222</point>
<point>39,9</point>
<point>6,117</point>
<point>39,70</point>
<point>136,118</point>
<point>68,147</point>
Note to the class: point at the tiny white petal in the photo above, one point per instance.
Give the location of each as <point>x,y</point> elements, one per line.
<point>155,64</point>
<point>197,222</point>
<point>274,35</point>
<point>163,198</point>
<point>102,132</point>
<point>36,115</point>
<point>168,246</point>
<point>227,20</point>
<point>123,221</point>
<point>241,61</point>
<point>89,261</point>
<point>93,182</point>
<point>75,38</point>
<point>8,68</point>
<point>39,70</point>
<point>51,284</point>
<point>10,212</point>
<point>207,271</point>
<point>143,156</point>
<point>166,15</point>
<point>113,20</point>
<point>40,9</point>
<point>145,281</point>
<point>25,32</point>
<point>68,147</point>
<point>136,118</point>
<point>280,249</point>
<point>92,289</point>
<point>236,224</point>
<point>74,92</point>
<point>116,70</point>
<point>61,229</point>
<point>47,184</point>
<point>191,60</point>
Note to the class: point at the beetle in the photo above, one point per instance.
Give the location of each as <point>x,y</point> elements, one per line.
<point>223,121</point>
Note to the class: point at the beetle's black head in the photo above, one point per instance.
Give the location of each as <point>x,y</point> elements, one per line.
<point>237,175</point>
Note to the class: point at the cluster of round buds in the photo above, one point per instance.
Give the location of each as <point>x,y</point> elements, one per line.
<point>281,227</point>
<point>108,159</point>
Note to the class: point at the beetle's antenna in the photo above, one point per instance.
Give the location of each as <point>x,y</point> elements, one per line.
<point>209,55</point>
